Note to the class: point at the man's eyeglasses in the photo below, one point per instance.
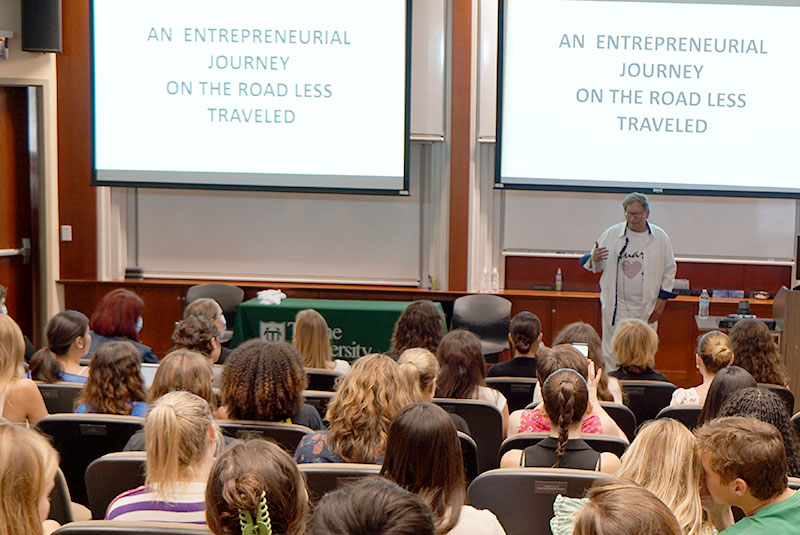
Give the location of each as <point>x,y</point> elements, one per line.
<point>634,214</point>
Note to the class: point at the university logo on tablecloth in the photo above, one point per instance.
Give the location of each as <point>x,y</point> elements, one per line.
<point>272,331</point>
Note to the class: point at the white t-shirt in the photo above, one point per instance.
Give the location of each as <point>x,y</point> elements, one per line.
<point>685,396</point>
<point>477,522</point>
<point>630,277</point>
<point>492,396</point>
<point>341,366</point>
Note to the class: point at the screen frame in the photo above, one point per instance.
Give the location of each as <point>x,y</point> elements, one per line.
<point>403,192</point>
<point>626,187</point>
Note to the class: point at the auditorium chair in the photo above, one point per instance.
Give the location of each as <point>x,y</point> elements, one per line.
<point>784,393</point>
<point>485,422</point>
<point>796,422</point>
<point>601,443</point>
<point>518,391</point>
<point>59,397</point>
<point>488,317</point>
<point>324,380</point>
<point>228,296</point>
<point>319,400</point>
<point>646,398</point>
<point>621,415</point>
<point>114,527</point>
<point>685,414</point>
<point>287,436</point>
<point>111,475</point>
<point>61,501</point>
<point>82,438</point>
<point>322,478</point>
<point>522,498</point>
<point>469,454</point>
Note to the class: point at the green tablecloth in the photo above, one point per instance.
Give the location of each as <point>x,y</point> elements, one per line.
<point>357,328</point>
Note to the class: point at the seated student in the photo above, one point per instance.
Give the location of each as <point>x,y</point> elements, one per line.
<point>419,325</point>
<point>727,381</point>
<point>713,354</point>
<point>525,335</point>
<point>579,332</point>
<point>115,382</point>
<point>265,381</point>
<point>197,333</point>
<point>20,399</point>
<point>371,506</point>
<point>312,341</point>
<point>118,318</point>
<point>208,308</point>
<point>566,402</point>
<point>423,455</point>
<point>181,442</point>
<point>756,352</point>
<point>745,466</point>
<point>255,488</point>
<point>535,420</point>
<point>620,507</point>
<point>635,343</point>
<point>68,339</point>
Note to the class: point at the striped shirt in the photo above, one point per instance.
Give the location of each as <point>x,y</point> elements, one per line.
<point>184,503</point>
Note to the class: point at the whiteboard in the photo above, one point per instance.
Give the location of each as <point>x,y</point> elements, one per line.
<point>701,227</point>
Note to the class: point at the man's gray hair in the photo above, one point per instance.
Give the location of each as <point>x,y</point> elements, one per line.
<point>636,197</point>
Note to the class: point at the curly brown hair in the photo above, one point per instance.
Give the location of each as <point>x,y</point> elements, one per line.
<point>195,333</point>
<point>461,365</point>
<point>755,351</point>
<point>263,381</point>
<point>115,380</point>
<point>420,325</point>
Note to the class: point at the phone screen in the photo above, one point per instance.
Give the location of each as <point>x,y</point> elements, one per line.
<point>583,348</point>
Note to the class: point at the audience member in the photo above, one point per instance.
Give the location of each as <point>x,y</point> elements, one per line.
<point>635,343</point>
<point>621,507</point>
<point>115,382</point>
<point>713,354</point>
<point>579,332</point>
<point>182,440</point>
<point>566,402</point>
<point>745,466</point>
<point>756,352</point>
<point>20,399</point>
<point>312,340</point>
<point>68,339</point>
<point>462,369</point>
<point>265,381</point>
<point>727,381</point>
<point>423,455</point>
<point>28,465</point>
<point>118,318</point>
<point>768,407</point>
<point>371,506</point>
<point>420,325</point>
<point>255,487</point>
<point>197,333</point>
<point>362,409</point>
<point>208,308</point>
<point>525,336</point>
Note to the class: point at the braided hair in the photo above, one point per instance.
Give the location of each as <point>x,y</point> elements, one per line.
<point>566,399</point>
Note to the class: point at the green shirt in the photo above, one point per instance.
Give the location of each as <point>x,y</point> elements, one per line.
<point>778,518</point>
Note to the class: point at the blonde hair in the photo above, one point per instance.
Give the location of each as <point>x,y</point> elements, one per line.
<point>635,344</point>
<point>184,369</point>
<point>176,438</point>
<point>366,401</point>
<point>422,366</point>
<point>663,459</point>
<point>28,465</point>
<point>12,352</point>
<point>715,349</point>
<point>311,339</point>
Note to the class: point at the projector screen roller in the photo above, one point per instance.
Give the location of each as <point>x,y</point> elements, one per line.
<point>671,97</point>
<point>252,94</point>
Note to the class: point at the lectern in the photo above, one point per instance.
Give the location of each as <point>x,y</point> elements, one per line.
<point>786,311</point>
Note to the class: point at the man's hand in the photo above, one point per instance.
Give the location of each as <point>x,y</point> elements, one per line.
<point>600,253</point>
<point>657,311</point>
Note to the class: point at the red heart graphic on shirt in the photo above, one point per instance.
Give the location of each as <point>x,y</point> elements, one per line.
<point>631,269</point>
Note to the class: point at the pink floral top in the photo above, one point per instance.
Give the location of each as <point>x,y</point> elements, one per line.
<point>532,421</point>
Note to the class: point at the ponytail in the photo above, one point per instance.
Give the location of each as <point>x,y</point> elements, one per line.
<point>566,402</point>
<point>410,375</point>
<point>44,366</point>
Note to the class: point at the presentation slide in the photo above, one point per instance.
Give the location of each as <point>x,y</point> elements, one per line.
<point>657,96</point>
<point>251,94</point>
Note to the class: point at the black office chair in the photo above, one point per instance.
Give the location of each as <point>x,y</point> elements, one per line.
<point>518,391</point>
<point>324,380</point>
<point>487,316</point>
<point>685,414</point>
<point>59,397</point>
<point>784,393</point>
<point>228,296</point>
<point>485,423</point>
<point>114,527</point>
<point>111,475</point>
<point>646,398</point>
<point>322,478</point>
<point>287,436</point>
<point>601,443</point>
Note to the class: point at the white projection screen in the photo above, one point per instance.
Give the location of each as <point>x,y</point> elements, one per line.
<point>673,97</point>
<point>252,94</point>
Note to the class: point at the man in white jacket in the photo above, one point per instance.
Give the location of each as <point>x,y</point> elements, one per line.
<point>638,270</point>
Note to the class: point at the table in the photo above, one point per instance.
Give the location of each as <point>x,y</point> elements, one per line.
<point>357,328</point>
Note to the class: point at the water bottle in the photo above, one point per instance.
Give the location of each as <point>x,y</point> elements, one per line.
<point>484,281</point>
<point>495,281</point>
<point>559,280</point>
<point>703,310</point>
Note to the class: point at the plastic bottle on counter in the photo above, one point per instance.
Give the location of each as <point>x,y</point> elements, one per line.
<point>702,310</point>
<point>559,280</point>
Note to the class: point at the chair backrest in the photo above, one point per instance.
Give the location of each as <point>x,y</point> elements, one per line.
<point>228,296</point>
<point>322,478</point>
<point>517,390</point>
<point>487,316</point>
<point>796,422</point>
<point>646,398</point>
<point>287,436</point>
<point>82,438</point>
<point>59,397</point>
<point>794,483</point>
<point>601,443</point>
<point>324,380</point>
<point>485,423</point>
<point>148,372</point>
<point>114,527</point>
<point>685,414</point>
<point>784,393</point>
<point>111,475</point>
<point>319,400</point>
<point>522,498</point>
<point>469,453</point>
<point>623,417</point>
<point>60,501</point>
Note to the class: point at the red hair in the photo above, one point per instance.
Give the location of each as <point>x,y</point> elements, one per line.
<point>116,314</point>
